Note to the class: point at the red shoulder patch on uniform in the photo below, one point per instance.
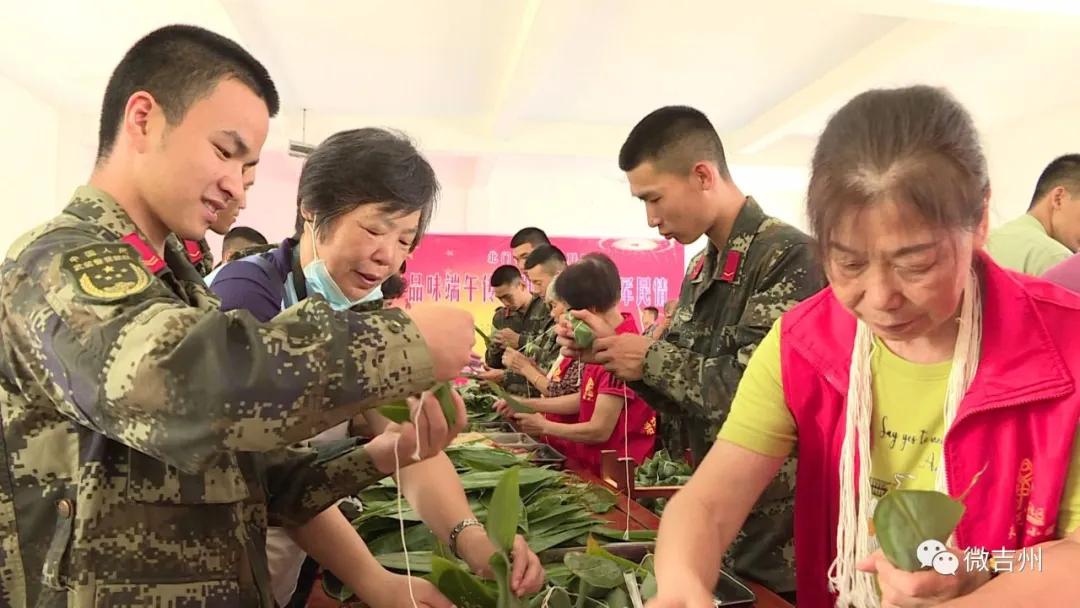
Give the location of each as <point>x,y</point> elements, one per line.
<point>150,258</point>
<point>697,268</point>
<point>731,266</point>
<point>194,251</point>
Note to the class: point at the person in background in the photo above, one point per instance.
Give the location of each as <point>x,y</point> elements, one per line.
<point>365,199</point>
<point>393,292</point>
<point>541,267</point>
<point>524,241</point>
<point>610,416</point>
<point>563,376</point>
<point>920,334</point>
<point>143,450</point>
<point>754,268</point>
<point>662,325</point>
<point>649,316</point>
<point>239,239</point>
<point>236,241</point>
<point>522,316</point>
<point>198,250</point>
<point>1050,231</point>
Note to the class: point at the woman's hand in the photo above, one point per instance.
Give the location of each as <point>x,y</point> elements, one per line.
<point>392,591</point>
<point>503,408</point>
<point>533,424</point>
<point>515,361</point>
<point>526,574</point>
<point>901,589</point>
<point>435,433</point>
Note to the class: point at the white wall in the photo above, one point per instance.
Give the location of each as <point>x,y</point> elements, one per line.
<point>48,152</point>
<point>75,151</point>
<point>1018,153</point>
<point>28,132</point>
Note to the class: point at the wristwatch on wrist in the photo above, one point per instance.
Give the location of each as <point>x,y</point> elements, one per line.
<point>458,529</point>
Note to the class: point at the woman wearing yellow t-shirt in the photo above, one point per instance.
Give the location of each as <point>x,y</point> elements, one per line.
<point>924,364</point>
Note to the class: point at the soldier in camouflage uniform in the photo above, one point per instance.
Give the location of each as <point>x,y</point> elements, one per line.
<point>754,269</point>
<point>542,267</point>
<point>198,250</point>
<point>146,435</point>
<point>523,317</point>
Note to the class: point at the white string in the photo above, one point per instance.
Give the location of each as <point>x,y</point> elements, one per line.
<point>853,541</point>
<point>626,454</point>
<point>400,510</point>
<point>547,596</point>
<point>852,533</point>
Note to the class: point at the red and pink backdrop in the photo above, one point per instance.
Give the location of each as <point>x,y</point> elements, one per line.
<point>456,269</point>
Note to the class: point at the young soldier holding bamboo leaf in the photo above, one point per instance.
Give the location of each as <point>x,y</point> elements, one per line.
<point>754,268</point>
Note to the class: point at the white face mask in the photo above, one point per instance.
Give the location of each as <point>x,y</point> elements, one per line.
<point>318,280</point>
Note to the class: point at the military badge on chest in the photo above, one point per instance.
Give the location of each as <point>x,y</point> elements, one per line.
<point>105,272</point>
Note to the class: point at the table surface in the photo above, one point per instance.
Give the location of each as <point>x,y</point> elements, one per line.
<point>641,518</point>
<point>625,512</point>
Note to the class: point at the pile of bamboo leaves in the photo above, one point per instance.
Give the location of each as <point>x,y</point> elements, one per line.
<point>479,402</point>
<point>661,470</point>
<point>551,511</point>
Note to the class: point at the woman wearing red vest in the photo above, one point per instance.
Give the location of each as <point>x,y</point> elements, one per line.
<point>609,416</point>
<point>923,364</point>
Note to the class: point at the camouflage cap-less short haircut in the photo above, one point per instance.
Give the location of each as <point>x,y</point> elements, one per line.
<point>178,65</point>
<point>1063,171</point>
<point>674,139</point>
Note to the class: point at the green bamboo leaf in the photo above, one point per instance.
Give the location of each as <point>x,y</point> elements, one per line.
<point>444,393</point>
<point>558,574</point>
<point>459,586</point>
<point>419,561</point>
<point>593,548</point>
<point>502,521</point>
<point>583,334</point>
<point>396,412</point>
<point>417,537</point>
<point>482,458</point>
<point>543,542</point>
<point>596,571</point>
<point>442,551</point>
<point>517,406</point>
<point>334,588</point>
<point>618,598</point>
<point>648,587</point>
<point>501,567</point>
<point>904,519</point>
<point>485,337</point>
<point>557,512</point>
<point>559,599</point>
<point>598,499</point>
<point>637,536</point>
<point>527,476</point>
<point>538,506</point>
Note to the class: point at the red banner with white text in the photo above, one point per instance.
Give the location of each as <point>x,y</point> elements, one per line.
<point>456,269</point>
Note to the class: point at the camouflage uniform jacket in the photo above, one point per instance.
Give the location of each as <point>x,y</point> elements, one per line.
<point>728,301</point>
<point>200,256</point>
<point>148,438</point>
<point>536,319</point>
<point>546,349</point>
<point>526,322</point>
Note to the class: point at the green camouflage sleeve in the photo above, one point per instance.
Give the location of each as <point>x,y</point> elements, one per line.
<point>706,385</point>
<point>121,354</point>
<point>494,352</point>
<point>306,479</point>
